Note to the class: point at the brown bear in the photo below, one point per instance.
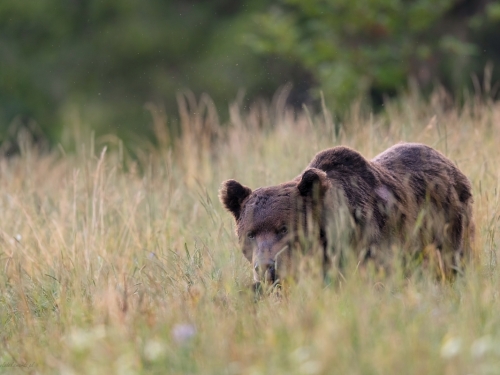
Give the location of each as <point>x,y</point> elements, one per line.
<point>410,197</point>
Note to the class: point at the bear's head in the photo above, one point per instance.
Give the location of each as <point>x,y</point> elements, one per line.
<point>271,220</point>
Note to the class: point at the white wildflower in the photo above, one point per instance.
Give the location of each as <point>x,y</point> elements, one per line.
<point>154,349</point>
<point>481,346</point>
<point>451,347</point>
<point>301,354</point>
<point>80,339</point>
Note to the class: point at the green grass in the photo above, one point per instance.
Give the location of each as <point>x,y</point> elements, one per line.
<point>112,264</point>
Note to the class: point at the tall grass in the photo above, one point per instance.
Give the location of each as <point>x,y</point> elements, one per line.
<point>129,265</point>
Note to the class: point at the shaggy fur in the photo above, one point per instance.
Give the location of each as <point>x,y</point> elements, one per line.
<point>410,196</point>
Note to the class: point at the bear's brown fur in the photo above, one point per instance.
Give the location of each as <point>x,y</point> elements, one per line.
<point>410,196</point>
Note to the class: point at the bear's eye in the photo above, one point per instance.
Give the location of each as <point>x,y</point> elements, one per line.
<point>251,235</point>
<point>283,230</point>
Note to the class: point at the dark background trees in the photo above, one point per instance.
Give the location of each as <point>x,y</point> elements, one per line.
<point>101,61</point>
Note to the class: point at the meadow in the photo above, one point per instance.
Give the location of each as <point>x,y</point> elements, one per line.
<point>124,262</point>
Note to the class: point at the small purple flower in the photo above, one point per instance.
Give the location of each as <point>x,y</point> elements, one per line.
<point>182,333</point>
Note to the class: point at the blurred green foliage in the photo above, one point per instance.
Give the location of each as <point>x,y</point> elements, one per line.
<point>101,60</point>
<point>357,47</point>
<point>98,62</point>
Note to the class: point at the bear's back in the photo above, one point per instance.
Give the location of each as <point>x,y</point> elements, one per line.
<point>412,157</point>
<point>418,166</point>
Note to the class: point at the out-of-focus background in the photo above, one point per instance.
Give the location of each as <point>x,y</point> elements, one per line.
<point>107,65</point>
<point>123,117</point>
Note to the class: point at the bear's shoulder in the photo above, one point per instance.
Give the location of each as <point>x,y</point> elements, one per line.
<point>338,159</point>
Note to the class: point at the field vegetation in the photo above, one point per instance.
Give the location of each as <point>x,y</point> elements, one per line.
<point>120,262</point>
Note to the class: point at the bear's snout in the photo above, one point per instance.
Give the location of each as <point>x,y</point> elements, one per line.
<point>265,271</point>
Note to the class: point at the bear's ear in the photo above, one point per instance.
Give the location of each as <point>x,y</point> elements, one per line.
<point>232,194</point>
<point>311,180</point>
